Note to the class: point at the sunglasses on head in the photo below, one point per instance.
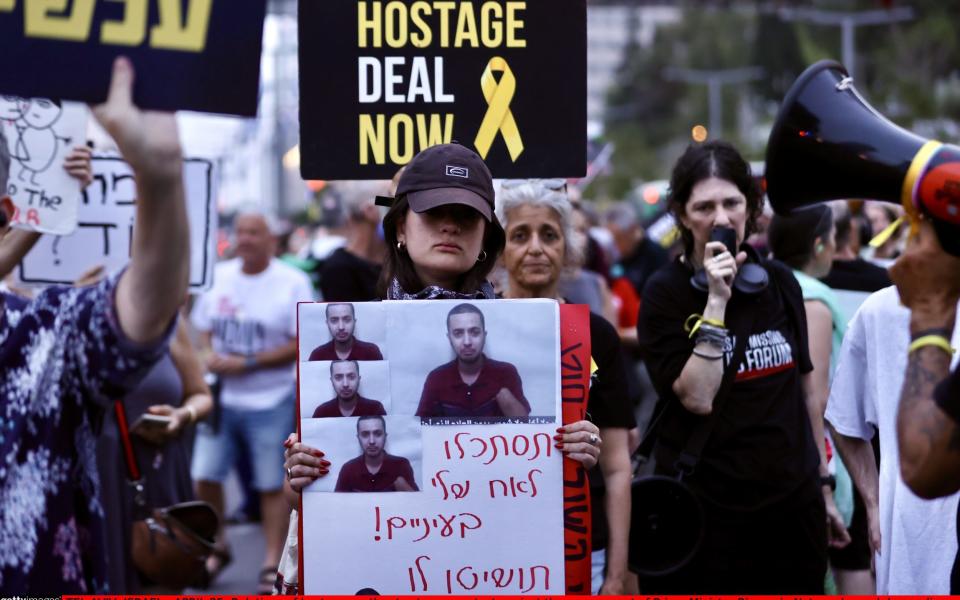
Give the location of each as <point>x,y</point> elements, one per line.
<point>554,185</point>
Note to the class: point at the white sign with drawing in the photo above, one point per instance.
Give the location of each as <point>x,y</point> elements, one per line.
<point>105,232</point>
<point>40,134</point>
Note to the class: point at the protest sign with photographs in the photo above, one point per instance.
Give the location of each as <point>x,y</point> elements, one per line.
<point>40,133</point>
<point>201,55</point>
<point>474,402</point>
<point>104,216</point>
<point>504,77</point>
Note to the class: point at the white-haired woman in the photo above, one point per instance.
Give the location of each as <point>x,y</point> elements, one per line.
<point>540,246</point>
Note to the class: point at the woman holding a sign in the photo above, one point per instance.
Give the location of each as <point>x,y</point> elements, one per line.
<point>442,236</point>
<point>540,247</point>
<point>443,240</point>
<point>724,335</point>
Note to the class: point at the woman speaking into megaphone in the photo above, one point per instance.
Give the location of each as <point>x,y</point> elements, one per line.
<point>730,362</point>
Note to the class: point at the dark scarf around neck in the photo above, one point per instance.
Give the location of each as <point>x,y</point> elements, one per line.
<point>435,292</point>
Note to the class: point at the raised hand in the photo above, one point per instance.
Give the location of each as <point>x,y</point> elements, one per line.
<point>148,140</point>
<point>79,164</point>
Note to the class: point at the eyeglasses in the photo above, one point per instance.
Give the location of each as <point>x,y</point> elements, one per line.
<point>555,184</point>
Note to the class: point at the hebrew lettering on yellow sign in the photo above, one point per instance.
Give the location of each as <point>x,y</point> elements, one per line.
<point>40,20</point>
<point>499,118</point>
<point>59,20</point>
<point>132,30</point>
<point>191,36</point>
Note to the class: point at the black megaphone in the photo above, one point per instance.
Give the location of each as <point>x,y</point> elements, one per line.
<point>828,143</point>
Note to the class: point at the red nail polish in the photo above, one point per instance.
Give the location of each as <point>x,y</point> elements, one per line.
<point>561,430</point>
<point>558,437</point>
<point>325,463</point>
<point>317,453</point>
<point>558,445</point>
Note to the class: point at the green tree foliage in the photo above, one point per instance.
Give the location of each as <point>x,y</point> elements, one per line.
<point>908,70</point>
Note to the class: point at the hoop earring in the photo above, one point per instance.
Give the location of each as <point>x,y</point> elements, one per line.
<point>400,246</point>
<point>482,257</point>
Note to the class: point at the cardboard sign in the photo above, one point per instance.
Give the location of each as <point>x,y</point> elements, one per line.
<point>468,497</point>
<point>380,81</point>
<point>40,133</point>
<point>105,232</point>
<point>199,55</point>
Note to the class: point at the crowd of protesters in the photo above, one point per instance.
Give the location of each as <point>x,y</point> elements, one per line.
<point>785,347</point>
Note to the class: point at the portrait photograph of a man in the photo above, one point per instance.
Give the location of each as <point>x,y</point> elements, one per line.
<point>375,470</point>
<point>472,384</point>
<point>345,378</point>
<point>373,453</point>
<point>344,388</point>
<point>456,361</point>
<point>330,332</point>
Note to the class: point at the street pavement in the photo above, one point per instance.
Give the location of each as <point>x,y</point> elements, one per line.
<point>240,577</point>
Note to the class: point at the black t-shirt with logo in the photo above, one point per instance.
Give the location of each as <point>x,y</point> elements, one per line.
<point>761,449</point>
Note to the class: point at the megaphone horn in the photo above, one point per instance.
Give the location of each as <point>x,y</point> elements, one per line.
<point>828,143</point>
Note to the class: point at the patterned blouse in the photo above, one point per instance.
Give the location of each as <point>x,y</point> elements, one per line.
<point>63,359</point>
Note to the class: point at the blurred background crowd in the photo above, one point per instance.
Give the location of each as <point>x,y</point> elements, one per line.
<point>661,75</point>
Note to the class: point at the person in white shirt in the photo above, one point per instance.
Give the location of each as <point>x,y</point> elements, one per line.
<point>915,539</point>
<point>248,330</point>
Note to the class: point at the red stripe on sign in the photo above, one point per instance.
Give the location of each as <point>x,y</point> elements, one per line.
<point>748,375</point>
<point>575,390</point>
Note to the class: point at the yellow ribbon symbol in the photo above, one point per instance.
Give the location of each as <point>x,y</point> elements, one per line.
<point>498,117</point>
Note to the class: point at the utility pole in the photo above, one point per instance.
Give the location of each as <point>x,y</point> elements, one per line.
<point>848,23</point>
<point>714,80</point>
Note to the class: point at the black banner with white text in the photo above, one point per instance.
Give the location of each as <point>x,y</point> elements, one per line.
<point>382,80</point>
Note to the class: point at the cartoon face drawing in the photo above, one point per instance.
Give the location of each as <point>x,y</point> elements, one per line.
<point>41,113</point>
<point>11,107</point>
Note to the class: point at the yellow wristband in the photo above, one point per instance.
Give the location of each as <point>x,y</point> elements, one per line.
<point>699,320</point>
<point>937,341</point>
<point>193,413</point>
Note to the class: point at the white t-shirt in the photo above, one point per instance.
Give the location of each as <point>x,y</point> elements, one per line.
<point>918,537</point>
<point>247,314</point>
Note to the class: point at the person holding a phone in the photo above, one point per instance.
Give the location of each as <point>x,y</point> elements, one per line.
<point>161,413</point>
<point>733,358</point>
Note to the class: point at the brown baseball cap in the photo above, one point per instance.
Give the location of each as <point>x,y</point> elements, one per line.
<point>448,174</point>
